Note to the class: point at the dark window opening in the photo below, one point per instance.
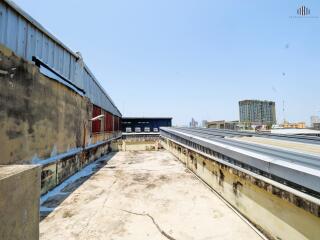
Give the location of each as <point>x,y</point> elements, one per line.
<point>108,122</point>
<point>96,124</point>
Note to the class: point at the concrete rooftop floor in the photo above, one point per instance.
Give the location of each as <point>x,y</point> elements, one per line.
<point>143,195</point>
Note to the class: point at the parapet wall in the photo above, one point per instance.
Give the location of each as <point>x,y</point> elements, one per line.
<point>39,117</point>
<point>277,210</point>
<point>19,202</point>
<point>138,142</point>
<point>55,172</point>
<point>43,121</point>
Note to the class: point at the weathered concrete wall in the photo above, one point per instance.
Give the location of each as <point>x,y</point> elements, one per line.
<point>55,172</point>
<point>138,142</point>
<point>39,117</point>
<point>19,202</point>
<point>139,145</point>
<point>281,212</point>
<point>43,121</point>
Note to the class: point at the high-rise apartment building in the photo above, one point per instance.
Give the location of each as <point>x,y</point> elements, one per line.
<point>256,112</point>
<point>314,119</point>
<point>193,123</point>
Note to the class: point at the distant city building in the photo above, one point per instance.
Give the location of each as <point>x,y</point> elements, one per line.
<point>316,126</point>
<point>204,123</point>
<point>293,125</point>
<point>222,124</point>
<point>193,123</point>
<point>256,112</point>
<point>314,119</point>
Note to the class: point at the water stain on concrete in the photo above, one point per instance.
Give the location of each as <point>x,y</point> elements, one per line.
<point>143,200</point>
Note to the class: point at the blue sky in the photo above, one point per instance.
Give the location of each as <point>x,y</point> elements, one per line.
<point>193,58</point>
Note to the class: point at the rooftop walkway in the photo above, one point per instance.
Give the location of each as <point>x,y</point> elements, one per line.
<point>143,195</point>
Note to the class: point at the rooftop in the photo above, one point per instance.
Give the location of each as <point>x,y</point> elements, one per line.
<point>288,145</point>
<point>297,165</point>
<point>255,100</point>
<point>143,195</point>
<point>292,131</point>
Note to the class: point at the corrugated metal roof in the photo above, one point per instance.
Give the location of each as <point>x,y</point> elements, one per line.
<point>294,131</point>
<point>28,38</point>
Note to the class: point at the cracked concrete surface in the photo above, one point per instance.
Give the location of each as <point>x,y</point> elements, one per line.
<point>143,195</point>
<point>154,222</point>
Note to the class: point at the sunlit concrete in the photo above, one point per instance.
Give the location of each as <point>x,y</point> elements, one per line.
<point>144,195</point>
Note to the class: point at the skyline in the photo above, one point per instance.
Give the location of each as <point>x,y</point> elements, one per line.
<point>178,59</point>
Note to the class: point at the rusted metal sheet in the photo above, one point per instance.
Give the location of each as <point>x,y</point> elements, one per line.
<point>27,38</point>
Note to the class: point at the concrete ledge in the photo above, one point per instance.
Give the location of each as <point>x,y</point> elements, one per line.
<point>139,142</point>
<point>19,202</point>
<point>277,211</point>
<point>139,145</point>
<point>55,172</point>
